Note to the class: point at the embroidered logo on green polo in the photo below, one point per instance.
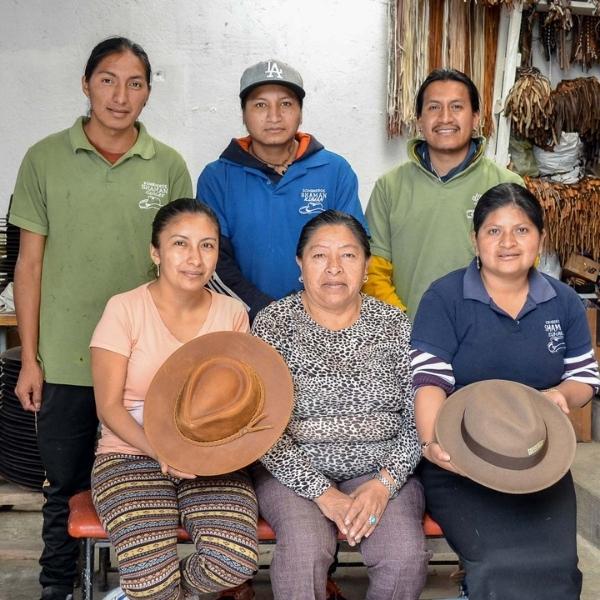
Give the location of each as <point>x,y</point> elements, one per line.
<point>154,194</point>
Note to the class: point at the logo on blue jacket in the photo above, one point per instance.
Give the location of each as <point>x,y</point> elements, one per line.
<point>314,199</point>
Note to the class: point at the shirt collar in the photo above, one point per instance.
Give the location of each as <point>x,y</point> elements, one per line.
<point>423,153</point>
<point>143,147</point>
<point>540,289</point>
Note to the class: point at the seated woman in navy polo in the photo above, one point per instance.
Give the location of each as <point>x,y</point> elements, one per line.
<point>501,319</point>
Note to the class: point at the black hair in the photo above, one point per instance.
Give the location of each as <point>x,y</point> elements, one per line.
<point>334,217</point>
<point>504,194</point>
<point>250,90</point>
<point>178,207</point>
<point>447,75</point>
<point>116,45</point>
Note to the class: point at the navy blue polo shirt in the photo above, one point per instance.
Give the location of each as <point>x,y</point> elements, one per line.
<point>458,322</point>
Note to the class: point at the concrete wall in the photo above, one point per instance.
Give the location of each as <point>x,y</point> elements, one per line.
<point>198,49</point>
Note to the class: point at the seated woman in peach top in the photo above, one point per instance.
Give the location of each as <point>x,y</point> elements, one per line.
<point>139,498</point>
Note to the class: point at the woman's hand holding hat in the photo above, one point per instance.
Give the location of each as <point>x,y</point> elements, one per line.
<point>434,453</point>
<point>169,470</point>
<point>557,397</point>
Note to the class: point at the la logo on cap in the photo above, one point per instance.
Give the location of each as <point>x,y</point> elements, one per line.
<point>273,71</point>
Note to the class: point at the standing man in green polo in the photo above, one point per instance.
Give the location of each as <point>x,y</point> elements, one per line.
<point>84,200</point>
<point>420,213</point>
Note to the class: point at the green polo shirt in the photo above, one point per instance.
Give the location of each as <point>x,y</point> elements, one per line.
<point>423,225</point>
<point>97,221</point>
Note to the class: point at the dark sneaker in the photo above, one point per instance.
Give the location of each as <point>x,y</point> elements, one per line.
<point>56,593</point>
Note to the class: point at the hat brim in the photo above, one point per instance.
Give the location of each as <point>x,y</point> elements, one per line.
<point>300,93</point>
<point>159,406</point>
<point>560,452</point>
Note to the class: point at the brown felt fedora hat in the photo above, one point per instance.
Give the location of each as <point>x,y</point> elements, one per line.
<point>506,436</point>
<point>218,403</point>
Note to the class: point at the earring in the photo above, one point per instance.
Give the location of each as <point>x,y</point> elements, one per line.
<point>300,279</point>
<point>536,262</point>
<point>157,270</point>
<point>365,278</point>
<point>478,262</point>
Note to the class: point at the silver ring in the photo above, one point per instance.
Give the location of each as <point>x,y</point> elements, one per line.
<point>372,520</point>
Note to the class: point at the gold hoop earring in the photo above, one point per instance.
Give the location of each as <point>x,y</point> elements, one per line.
<point>365,278</point>
<point>536,262</point>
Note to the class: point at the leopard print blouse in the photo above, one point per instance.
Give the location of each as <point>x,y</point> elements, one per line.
<point>353,410</point>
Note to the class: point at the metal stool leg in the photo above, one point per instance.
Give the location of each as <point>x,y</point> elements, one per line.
<point>103,566</point>
<point>87,576</point>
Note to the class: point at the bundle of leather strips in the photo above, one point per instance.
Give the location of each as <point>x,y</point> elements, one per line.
<point>528,18</point>
<point>559,14</point>
<point>572,215</point>
<point>576,107</point>
<point>554,26</point>
<point>529,108</point>
<point>407,62</point>
<point>585,42</point>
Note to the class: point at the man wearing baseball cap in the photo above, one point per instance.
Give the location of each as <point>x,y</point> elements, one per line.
<point>264,187</point>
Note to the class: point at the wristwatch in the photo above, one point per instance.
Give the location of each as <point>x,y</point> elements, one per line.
<point>392,488</point>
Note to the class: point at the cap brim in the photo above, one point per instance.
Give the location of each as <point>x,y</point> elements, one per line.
<point>159,405</point>
<point>560,452</point>
<point>292,86</point>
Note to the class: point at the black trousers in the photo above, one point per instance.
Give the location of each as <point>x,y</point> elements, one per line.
<point>513,546</point>
<point>67,428</point>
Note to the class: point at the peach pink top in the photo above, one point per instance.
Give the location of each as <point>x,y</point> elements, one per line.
<point>131,326</point>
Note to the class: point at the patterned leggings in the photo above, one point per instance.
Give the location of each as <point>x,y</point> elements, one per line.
<point>141,508</point>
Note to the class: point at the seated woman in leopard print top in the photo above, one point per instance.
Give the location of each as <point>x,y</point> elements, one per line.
<point>346,458</point>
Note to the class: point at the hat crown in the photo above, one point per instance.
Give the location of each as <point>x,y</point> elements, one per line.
<point>271,71</point>
<point>221,398</point>
<point>509,425</point>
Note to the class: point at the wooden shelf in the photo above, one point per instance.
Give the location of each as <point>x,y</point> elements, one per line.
<point>8,320</point>
<point>577,7</point>
<point>15,495</point>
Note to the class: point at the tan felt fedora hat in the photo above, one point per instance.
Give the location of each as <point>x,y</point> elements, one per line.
<point>218,403</point>
<point>506,436</point>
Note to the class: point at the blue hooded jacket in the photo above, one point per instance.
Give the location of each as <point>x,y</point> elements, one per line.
<point>261,214</point>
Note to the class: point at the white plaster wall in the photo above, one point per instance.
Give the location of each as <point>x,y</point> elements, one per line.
<point>201,48</point>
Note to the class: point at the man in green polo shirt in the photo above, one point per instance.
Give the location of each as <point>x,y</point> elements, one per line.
<point>420,213</point>
<point>84,199</point>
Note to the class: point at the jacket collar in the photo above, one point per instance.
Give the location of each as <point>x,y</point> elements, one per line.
<point>237,153</point>
<point>418,153</point>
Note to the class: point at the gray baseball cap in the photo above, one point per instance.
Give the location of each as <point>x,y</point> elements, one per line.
<point>271,71</point>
